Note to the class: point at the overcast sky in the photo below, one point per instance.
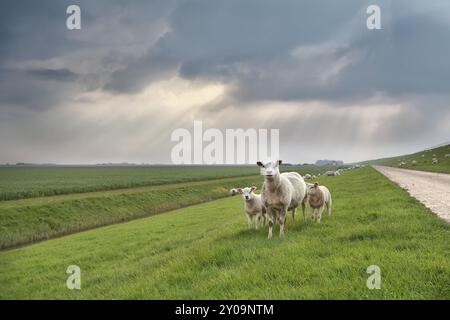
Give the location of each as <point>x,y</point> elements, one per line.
<point>116,89</point>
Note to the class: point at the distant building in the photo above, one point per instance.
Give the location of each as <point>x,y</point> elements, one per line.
<point>321,163</point>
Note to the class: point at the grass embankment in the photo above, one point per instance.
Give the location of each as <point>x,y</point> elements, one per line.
<point>31,182</point>
<point>29,220</point>
<point>205,251</point>
<point>423,159</point>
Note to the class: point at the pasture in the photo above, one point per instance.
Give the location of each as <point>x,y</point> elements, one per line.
<point>29,182</point>
<point>205,251</point>
<point>423,159</point>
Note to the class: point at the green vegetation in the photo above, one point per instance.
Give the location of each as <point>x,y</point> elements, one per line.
<point>205,251</point>
<point>28,220</point>
<point>30,182</point>
<point>423,159</point>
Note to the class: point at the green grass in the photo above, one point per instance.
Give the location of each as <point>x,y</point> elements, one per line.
<point>424,162</point>
<point>205,251</point>
<point>30,182</point>
<point>29,220</point>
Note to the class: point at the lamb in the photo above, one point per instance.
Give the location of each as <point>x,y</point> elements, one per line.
<point>318,198</point>
<point>253,206</point>
<point>280,193</point>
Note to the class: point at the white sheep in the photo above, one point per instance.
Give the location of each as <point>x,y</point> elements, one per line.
<point>280,193</point>
<point>414,162</point>
<point>234,191</point>
<point>318,198</point>
<point>434,161</point>
<point>332,173</point>
<point>307,176</point>
<point>253,206</point>
<point>447,155</point>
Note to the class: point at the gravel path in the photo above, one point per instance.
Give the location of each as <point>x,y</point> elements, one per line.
<point>432,189</point>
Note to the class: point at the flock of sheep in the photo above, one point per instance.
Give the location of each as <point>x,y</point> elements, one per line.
<point>434,160</point>
<point>282,192</point>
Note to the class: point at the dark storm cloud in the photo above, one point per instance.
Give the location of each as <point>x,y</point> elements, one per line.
<point>54,74</point>
<point>252,45</point>
<point>37,51</point>
<point>71,86</point>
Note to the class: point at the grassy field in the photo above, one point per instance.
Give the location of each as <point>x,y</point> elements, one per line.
<point>205,251</point>
<point>30,182</point>
<point>423,159</point>
<point>29,220</point>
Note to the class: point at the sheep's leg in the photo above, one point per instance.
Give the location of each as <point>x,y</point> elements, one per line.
<point>328,210</point>
<point>304,211</point>
<point>258,221</point>
<point>283,214</point>
<point>270,216</point>
<point>294,211</point>
<point>312,214</point>
<point>319,213</point>
<point>249,221</point>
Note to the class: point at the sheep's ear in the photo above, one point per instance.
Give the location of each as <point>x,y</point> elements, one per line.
<point>279,162</point>
<point>254,188</point>
<point>316,185</point>
<point>260,164</point>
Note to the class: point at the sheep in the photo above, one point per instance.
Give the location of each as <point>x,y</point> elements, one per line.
<point>307,176</point>
<point>332,173</point>
<point>280,193</point>
<point>434,161</point>
<point>253,206</point>
<point>318,198</point>
<point>233,191</point>
<point>447,155</point>
<point>314,177</point>
<point>414,162</point>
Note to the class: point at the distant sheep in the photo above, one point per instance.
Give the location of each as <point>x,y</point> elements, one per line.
<point>234,191</point>
<point>318,198</point>
<point>253,206</point>
<point>332,173</point>
<point>280,193</point>
<point>414,162</point>
<point>307,177</point>
<point>434,161</point>
<point>447,155</point>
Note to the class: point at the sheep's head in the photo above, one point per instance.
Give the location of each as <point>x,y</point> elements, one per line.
<point>247,193</point>
<point>269,169</point>
<point>312,189</point>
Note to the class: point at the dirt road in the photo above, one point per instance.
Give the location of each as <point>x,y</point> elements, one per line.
<point>432,189</point>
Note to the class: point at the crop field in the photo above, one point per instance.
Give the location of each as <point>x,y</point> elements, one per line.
<point>30,182</point>
<point>423,159</point>
<point>205,251</point>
